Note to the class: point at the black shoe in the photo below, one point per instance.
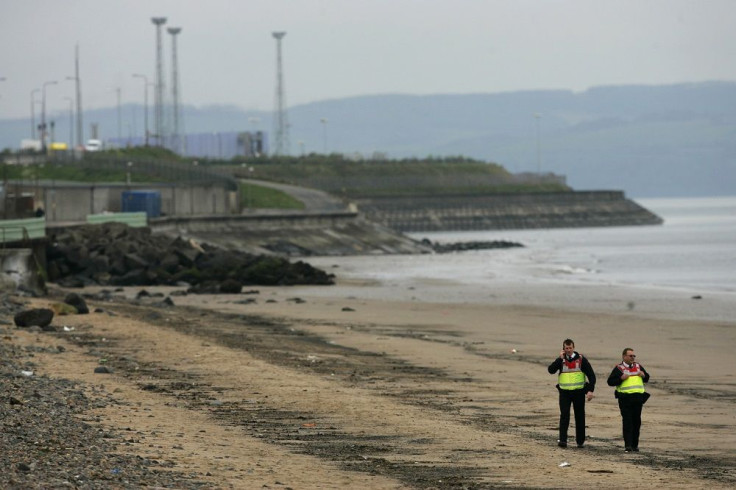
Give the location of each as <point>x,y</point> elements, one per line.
<point>562,444</point>
<point>635,449</point>
<point>628,449</point>
<point>581,444</point>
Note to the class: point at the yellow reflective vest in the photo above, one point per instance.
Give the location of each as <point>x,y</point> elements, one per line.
<point>571,375</point>
<point>634,383</point>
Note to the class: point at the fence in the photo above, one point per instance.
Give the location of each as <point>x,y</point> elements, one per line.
<point>15,230</point>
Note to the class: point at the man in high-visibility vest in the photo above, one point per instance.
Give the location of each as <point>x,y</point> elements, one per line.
<point>629,378</point>
<point>574,390</point>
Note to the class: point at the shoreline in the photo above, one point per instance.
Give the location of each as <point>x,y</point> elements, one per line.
<point>355,276</point>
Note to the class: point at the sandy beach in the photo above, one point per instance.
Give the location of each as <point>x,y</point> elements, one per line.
<point>370,385</point>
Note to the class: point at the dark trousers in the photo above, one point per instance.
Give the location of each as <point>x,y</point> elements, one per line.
<point>576,398</point>
<point>630,406</point>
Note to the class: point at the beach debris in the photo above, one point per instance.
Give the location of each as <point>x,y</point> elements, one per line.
<point>68,329</point>
<point>61,309</point>
<point>514,351</point>
<point>347,308</point>
<point>102,370</point>
<point>697,296</point>
<point>564,464</point>
<point>27,373</point>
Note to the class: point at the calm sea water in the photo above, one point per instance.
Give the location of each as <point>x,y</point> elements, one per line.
<point>694,249</point>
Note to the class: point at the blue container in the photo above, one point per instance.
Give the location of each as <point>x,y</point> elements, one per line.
<point>146,201</point>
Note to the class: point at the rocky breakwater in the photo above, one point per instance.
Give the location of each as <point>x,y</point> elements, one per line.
<point>117,255</point>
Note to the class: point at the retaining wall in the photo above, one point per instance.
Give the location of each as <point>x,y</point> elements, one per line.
<point>64,202</point>
<point>508,211</point>
<point>291,233</point>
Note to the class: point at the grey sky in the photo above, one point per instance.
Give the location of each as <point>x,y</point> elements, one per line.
<point>339,48</point>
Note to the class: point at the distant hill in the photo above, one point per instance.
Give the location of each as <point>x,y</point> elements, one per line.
<point>673,140</point>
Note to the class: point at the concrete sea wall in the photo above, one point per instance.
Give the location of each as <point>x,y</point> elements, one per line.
<point>508,211</point>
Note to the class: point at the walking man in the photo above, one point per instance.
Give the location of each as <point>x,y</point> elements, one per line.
<point>573,369</point>
<point>629,378</point>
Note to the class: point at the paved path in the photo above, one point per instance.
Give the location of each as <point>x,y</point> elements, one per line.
<point>313,199</point>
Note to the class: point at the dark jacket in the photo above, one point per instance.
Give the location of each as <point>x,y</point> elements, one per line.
<point>614,379</point>
<point>585,366</point>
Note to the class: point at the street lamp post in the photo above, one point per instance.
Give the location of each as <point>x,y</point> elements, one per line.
<point>145,104</point>
<point>191,193</point>
<point>43,112</point>
<point>33,112</point>
<point>537,117</point>
<point>78,97</point>
<point>128,179</point>
<point>78,100</point>
<point>120,116</point>
<point>324,134</point>
<point>71,121</point>
<point>159,91</point>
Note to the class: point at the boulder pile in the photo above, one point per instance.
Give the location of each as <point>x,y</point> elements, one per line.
<point>442,248</point>
<point>118,255</point>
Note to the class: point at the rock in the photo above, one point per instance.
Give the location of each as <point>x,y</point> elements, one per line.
<point>40,317</point>
<point>102,370</point>
<point>7,284</point>
<point>71,282</point>
<point>133,261</point>
<point>165,303</point>
<point>230,286</point>
<point>472,245</point>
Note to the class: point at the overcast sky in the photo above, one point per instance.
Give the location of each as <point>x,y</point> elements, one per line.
<point>339,48</point>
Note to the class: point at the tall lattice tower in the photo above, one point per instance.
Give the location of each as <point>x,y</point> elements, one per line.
<point>80,132</point>
<point>158,99</point>
<point>281,123</point>
<point>176,142</point>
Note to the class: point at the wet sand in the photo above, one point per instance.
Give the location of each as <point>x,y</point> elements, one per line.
<point>379,386</point>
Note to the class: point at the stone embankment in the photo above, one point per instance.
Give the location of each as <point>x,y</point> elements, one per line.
<point>292,233</point>
<point>117,255</point>
<point>507,211</point>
